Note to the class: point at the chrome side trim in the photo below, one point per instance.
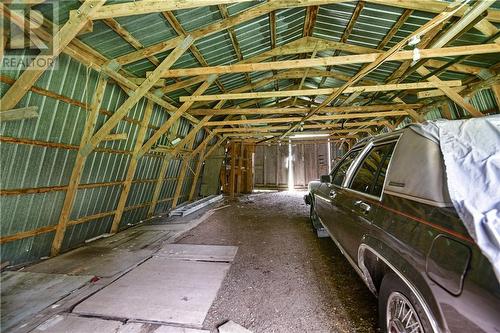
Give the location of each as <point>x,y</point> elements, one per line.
<point>417,199</point>
<point>415,291</point>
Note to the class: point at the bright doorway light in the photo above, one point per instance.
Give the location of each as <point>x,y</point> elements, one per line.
<point>291,186</point>
<point>299,136</point>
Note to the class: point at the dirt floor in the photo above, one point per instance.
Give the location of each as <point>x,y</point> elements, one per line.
<point>284,279</point>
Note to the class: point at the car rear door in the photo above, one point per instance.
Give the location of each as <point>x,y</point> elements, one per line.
<point>357,201</point>
<point>327,193</point>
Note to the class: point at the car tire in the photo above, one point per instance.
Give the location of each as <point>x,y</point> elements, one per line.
<point>399,309</point>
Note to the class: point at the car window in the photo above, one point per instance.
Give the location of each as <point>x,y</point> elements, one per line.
<point>340,171</point>
<point>370,176</point>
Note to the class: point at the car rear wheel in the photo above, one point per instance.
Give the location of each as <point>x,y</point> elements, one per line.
<point>399,309</point>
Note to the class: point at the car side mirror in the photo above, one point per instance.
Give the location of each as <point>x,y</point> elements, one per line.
<point>325,179</point>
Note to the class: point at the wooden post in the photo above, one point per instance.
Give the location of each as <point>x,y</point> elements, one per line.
<point>141,135</point>
<point>199,164</point>
<point>76,174</point>
<point>232,170</point>
<point>240,169</point>
<point>182,175</point>
<point>159,184</point>
<point>278,157</point>
<point>249,168</point>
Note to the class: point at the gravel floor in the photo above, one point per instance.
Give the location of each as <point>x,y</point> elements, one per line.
<point>283,279</point>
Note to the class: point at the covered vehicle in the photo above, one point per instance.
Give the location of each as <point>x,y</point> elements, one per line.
<point>398,207</point>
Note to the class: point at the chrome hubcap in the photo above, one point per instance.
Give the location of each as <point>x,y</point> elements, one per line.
<point>401,316</point>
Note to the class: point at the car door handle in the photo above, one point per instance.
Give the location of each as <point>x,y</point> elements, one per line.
<point>363,206</point>
<point>333,194</point>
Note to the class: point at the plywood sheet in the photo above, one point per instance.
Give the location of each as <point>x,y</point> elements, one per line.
<point>161,290</point>
<point>92,260</point>
<point>198,252</point>
<point>24,294</point>
<point>75,324</point>
<point>133,239</point>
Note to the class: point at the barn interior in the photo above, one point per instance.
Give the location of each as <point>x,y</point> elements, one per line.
<point>151,146</point>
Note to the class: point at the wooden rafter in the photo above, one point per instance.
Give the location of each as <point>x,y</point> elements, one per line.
<point>245,16</point>
<point>153,6</point>
<point>291,110</point>
<point>347,32</point>
<point>78,166</point>
<point>78,19</point>
<point>312,118</point>
<point>137,95</point>
<point>132,167</point>
<point>176,25</point>
<point>324,91</point>
<point>340,60</point>
<point>381,59</point>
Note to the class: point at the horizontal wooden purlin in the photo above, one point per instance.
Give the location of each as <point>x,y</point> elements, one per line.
<point>116,137</point>
<point>19,114</point>
<point>334,61</point>
<point>48,144</point>
<point>153,6</point>
<point>257,111</point>
<point>313,118</point>
<point>265,134</point>
<point>48,189</point>
<point>84,106</point>
<point>437,92</point>
<point>325,91</point>
<point>433,6</point>
<point>84,219</point>
<point>215,27</point>
<point>308,126</point>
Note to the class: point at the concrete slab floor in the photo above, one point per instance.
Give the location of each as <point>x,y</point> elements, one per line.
<point>283,279</point>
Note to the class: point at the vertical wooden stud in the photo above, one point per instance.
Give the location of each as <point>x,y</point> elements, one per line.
<point>76,174</point>
<point>141,135</point>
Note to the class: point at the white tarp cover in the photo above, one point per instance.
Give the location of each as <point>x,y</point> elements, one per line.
<point>471,153</point>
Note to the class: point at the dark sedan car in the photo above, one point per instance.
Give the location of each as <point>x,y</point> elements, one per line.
<point>387,207</point>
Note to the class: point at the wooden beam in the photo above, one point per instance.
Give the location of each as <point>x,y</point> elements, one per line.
<point>132,167</point>
<point>182,175</point>
<point>176,25</point>
<point>310,21</point>
<point>266,134</point>
<point>339,109</point>
<point>433,6</point>
<point>137,95</point>
<point>175,116</point>
<point>19,114</point>
<point>78,166</point>
<point>306,126</point>
<point>436,21</point>
<point>242,17</point>
<point>159,184</point>
<point>474,12</point>
<point>76,22</point>
<point>87,56</point>
<point>115,137</point>
<point>317,118</point>
<point>232,171</point>
<point>199,165</point>
<point>324,91</point>
<point>153,6</point>
<point>395,28</point>
<point>340,60</point>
